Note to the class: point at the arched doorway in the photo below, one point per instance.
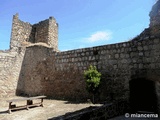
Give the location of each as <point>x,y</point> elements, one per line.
<point>143,95</point>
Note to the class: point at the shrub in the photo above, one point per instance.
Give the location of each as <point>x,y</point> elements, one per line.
<point>92,77</point>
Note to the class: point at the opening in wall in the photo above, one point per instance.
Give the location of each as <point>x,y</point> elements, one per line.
<point>143,97</point>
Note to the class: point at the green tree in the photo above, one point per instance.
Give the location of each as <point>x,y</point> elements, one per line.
<point>92,77</point>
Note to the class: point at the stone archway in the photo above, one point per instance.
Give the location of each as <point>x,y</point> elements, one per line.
<point>143,95</point>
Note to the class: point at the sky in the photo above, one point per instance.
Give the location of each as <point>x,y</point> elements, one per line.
<point>82,23</point>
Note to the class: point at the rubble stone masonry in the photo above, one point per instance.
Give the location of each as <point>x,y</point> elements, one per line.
<point>60,74</point>
<point>10,66</point>
<point>30,68</point>
<point>23,33</point>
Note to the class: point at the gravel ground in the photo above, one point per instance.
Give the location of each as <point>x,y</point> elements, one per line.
<point>52,108</point>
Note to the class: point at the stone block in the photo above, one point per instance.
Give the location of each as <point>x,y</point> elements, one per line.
<point>156,41</point>
<point>122,55</point>
<point>127,55</point>
<point>116,56</point>
<point>145,48</point>
<point>140,48</point>
<point>140,66</point>
<point>146,53</point>
<point>140,53</point>
<point>122,50</point>
<point>152,65</point>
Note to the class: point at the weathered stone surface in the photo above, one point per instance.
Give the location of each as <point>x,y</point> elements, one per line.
<point>23,33</point>
<point>155,19</point>
<point>155,14</point>
<point>37,69</point>
<point>64,70</point>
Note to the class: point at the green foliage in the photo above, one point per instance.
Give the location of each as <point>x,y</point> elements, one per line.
<point>92,77</point>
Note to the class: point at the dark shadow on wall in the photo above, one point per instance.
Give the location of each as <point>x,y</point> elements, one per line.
<point>32,35</point>
<point>20,90</point>
<point>40,76</point>
<point>28,84</point>
<point>143,97</point>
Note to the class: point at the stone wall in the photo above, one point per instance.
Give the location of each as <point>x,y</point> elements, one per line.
<point>155,14</point>
<point>60,74</point>
<point>53,34</point>
<point>155,19</point>
<point>10,66</point>
<point>21,33</point>
<point>35,69</point>
<point>47,32</point>
<point>41,31</point>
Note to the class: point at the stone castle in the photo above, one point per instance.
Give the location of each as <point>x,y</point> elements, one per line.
<point>34,66</point>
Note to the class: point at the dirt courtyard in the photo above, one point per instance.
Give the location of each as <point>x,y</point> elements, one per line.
<point>52,108</point>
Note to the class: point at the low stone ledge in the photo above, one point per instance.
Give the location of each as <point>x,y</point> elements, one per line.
<point>95,113</point>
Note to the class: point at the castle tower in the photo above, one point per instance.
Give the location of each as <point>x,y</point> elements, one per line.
<point>47,32</point>
<point>23,32</point>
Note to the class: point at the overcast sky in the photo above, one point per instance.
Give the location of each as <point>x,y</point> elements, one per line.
<point>82,23</point>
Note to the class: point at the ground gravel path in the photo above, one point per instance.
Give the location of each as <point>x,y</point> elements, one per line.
<point>52,108</point>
